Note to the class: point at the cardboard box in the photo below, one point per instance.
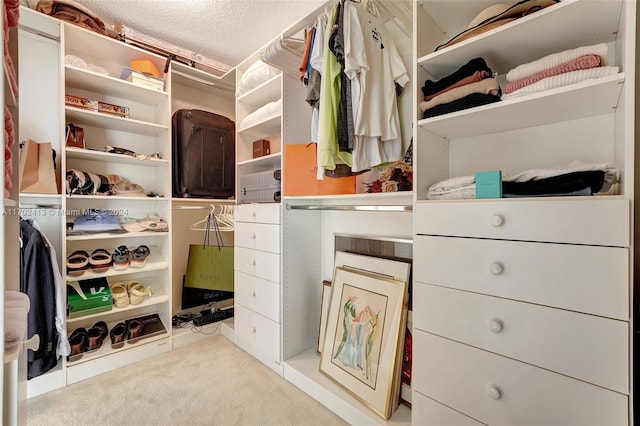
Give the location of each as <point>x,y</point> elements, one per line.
<point>120,111</point>
<point>300,168</point>
<point>80,102</point>
<point>261,148</point>
<point>86,297</point>
<point>489,184</point>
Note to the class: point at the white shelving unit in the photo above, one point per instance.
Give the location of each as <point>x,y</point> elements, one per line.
<point>500,266</point>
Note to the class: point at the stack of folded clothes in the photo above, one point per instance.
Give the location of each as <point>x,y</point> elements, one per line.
<point>471,85</point>
<point>559,69</point>
<point>575,179</point>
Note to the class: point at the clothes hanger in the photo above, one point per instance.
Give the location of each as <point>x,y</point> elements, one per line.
<point>201,225</point>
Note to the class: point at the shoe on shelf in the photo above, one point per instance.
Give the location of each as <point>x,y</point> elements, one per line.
<point>96,335</point>
<point>119,294</point>
<point>78,341</point>
<point>139,256</point>
<point>100,260</point>
<point>136,328</point>
<point>137,292</point>
<point>121,258</point>
<point>118,334</point>
<point>150,222</point>
<point>77,263</point>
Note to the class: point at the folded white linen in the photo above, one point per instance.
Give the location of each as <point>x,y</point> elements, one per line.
<point>555,59</point>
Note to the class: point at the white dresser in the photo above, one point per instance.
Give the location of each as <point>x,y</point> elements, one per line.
<point>257,265</point>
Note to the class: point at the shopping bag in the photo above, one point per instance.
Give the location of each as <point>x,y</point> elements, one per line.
<point>210,266</point>
<point>37,171</point>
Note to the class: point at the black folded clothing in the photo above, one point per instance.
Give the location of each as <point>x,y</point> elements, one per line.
<point>469,101</point>
<point>565,183</point>
<point>478,64</point>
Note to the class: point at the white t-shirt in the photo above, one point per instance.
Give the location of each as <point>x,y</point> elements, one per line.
<point>373,64</point>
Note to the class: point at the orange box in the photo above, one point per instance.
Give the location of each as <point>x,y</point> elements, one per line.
<point>144,66</point>
<point>300,167</point>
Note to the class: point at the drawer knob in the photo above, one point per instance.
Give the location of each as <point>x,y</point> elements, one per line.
<point>253,263</point>
<point>494,392</point>
<point>497,268</point>
<point>253,293</point>
<point>253,236</point>
<point>496,325</point>
<point>253,214</point>
<point>253,329</point>
<point>497,220</point>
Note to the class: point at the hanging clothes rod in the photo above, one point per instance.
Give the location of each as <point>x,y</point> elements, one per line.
<point>191,207</point>
<point>397,208</point>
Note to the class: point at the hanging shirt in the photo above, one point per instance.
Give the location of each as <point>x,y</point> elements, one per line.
<point>329,97</point>
<point>374,65</point>
<point>316,62</point>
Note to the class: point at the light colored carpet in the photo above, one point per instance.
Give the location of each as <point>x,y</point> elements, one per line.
<point>211,382</point>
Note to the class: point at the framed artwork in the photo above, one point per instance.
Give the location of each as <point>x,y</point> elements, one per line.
<point>324,313</point>
<point>364,337</point>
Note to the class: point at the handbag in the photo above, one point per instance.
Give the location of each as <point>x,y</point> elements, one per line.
<point>210,266</point>
<point>75,136</point>
<point>37,168</point>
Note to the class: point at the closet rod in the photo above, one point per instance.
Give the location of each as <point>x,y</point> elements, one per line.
<point>402,208</point>
<point>40,206</point>
<point>191,207</point>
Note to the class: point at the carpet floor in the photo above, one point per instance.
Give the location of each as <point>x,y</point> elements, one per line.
<point>211,382</point>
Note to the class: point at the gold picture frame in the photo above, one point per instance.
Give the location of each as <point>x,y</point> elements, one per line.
<point>364,334</point>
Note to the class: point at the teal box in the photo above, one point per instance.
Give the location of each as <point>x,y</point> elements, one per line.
<point>88,297</point>
<point>489,184</point>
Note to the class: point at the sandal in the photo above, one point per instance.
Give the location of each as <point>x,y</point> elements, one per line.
<point>100,260</point>
<point>121,258</point>
<point>137,292</point>
<point>139,256</point>
<point>118,334</point>
<point>77,262</point>
<point>119,295</point>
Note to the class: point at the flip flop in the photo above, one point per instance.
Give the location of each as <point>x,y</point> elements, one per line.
<point>100,260</point>
<point>77,263</point>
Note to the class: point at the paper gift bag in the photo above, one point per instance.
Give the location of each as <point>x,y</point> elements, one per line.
<point>210,266</point>
<point>36,171</point>
<point>300,170</point>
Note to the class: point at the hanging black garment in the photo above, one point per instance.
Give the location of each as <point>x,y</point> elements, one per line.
<point>37,281</point>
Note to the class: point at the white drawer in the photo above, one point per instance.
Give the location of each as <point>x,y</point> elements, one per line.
<point>259,236</point>
<point>257,263</point>
<point>259,295</point>
<point>500,391</point>
<point>595,220</point>
<point>587,347</point>
<point>426,411</point>
<point>259,213</point>
<point>587,279</point>
<point>256,334</point>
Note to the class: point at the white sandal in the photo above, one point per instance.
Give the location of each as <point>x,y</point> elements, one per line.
<point>137,292</point>
<point>120,295</point>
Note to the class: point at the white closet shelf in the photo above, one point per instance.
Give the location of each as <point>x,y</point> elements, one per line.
<point>502,47</point>
<point>267,127</point>
<point>302,370</point>
<point>114,197</point>
<point>370,198</point>
<point>266,92</point>
<point>106,348</point>
<point>108,236</point>
<point>94,155</point>
<point>106,121</point>
<point>580,100</point>
<point>100,83</point>
<point>267,162</point>
<point>155,262</point>
<point>148,301</point>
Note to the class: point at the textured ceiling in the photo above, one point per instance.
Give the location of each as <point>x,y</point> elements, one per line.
<point>226,31</point>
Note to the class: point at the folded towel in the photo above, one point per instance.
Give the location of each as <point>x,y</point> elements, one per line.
<point>555,59</point>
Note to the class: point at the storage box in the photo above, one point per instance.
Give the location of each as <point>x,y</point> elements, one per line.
<point>88,297</point>
<point>261,148</point>
<point>152,326</point>
<point>120,111</point>
<point>261,187</point>
<point>300,169</point>
<point>141,79</point>
<point>145,66</point>
<point>489,184</point>
<point>80,102</point>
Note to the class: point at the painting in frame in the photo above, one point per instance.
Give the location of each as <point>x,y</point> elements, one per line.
<point>365,331</point>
